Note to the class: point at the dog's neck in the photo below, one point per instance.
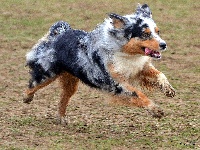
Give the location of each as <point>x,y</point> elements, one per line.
<point>104,40</point>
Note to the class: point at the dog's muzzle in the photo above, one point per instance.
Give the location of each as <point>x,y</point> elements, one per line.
<point>163,46</point>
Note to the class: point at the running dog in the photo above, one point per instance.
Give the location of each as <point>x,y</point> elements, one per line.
<point>111,58</point>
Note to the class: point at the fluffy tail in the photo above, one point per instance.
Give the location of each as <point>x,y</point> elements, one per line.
<point>58,28</point>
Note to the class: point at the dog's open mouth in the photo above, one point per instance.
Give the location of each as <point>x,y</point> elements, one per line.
<point>152,53</point>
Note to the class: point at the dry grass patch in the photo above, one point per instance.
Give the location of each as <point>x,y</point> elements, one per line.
<point>93,123</point>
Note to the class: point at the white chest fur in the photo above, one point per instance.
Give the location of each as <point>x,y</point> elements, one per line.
<point>128,65</point>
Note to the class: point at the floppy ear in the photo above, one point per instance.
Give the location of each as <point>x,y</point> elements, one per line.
<point>144,10</point>
<point>118,21</point>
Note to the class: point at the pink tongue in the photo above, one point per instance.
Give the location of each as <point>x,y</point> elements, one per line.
<point>147,51</point>
<point>152,53</point>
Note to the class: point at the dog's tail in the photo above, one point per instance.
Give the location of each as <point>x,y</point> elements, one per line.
<point>55,30</point>
<point>58,28</point>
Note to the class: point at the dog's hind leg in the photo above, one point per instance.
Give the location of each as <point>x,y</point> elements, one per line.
<point>69,85</point>
<point>33,87</point>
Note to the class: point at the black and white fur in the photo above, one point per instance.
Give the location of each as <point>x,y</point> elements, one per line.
<point>88,55</point>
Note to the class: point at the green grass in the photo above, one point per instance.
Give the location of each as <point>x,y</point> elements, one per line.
<point>94,124</point>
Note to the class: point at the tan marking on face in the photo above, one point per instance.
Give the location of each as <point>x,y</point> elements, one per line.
<point>135,46</point>
<point>157,30</point>
<point>147,31</point>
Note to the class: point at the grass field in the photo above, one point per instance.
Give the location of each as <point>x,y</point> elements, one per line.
<point>93,122</point>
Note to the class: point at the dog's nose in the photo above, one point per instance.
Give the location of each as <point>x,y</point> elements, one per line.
<point>163,46</point>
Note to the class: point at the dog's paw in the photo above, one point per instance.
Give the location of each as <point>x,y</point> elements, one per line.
<point>165,86</point>
<point>169,91</point>
<point>28,98</point>
<point>156,111</point>
<point>61,121</point>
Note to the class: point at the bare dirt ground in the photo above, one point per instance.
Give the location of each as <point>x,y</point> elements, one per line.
<point>94,123</point>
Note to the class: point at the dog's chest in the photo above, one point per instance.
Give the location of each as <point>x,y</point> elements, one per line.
<point>127,65</point>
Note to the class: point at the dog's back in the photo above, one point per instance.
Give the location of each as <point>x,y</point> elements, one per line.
<point>76,55</point>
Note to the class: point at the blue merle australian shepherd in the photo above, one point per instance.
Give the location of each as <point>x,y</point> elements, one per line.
<point>111,58</point>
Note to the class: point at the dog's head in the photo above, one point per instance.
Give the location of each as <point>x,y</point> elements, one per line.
<point>140,31</point>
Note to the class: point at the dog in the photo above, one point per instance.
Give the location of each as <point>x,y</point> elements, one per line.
<point>111,58</point>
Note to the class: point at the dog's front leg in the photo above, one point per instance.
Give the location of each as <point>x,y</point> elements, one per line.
<point>151,78</point>
<point>141,100</point>
<point>165,86</point>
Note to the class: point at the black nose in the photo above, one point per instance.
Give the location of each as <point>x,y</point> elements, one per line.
<point>163,46</point>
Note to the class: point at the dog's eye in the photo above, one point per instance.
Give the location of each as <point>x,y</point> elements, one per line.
<point>146,35</point>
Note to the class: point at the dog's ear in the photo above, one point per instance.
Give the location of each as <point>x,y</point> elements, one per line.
<point>144,10</point>
<point>118,21</point>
